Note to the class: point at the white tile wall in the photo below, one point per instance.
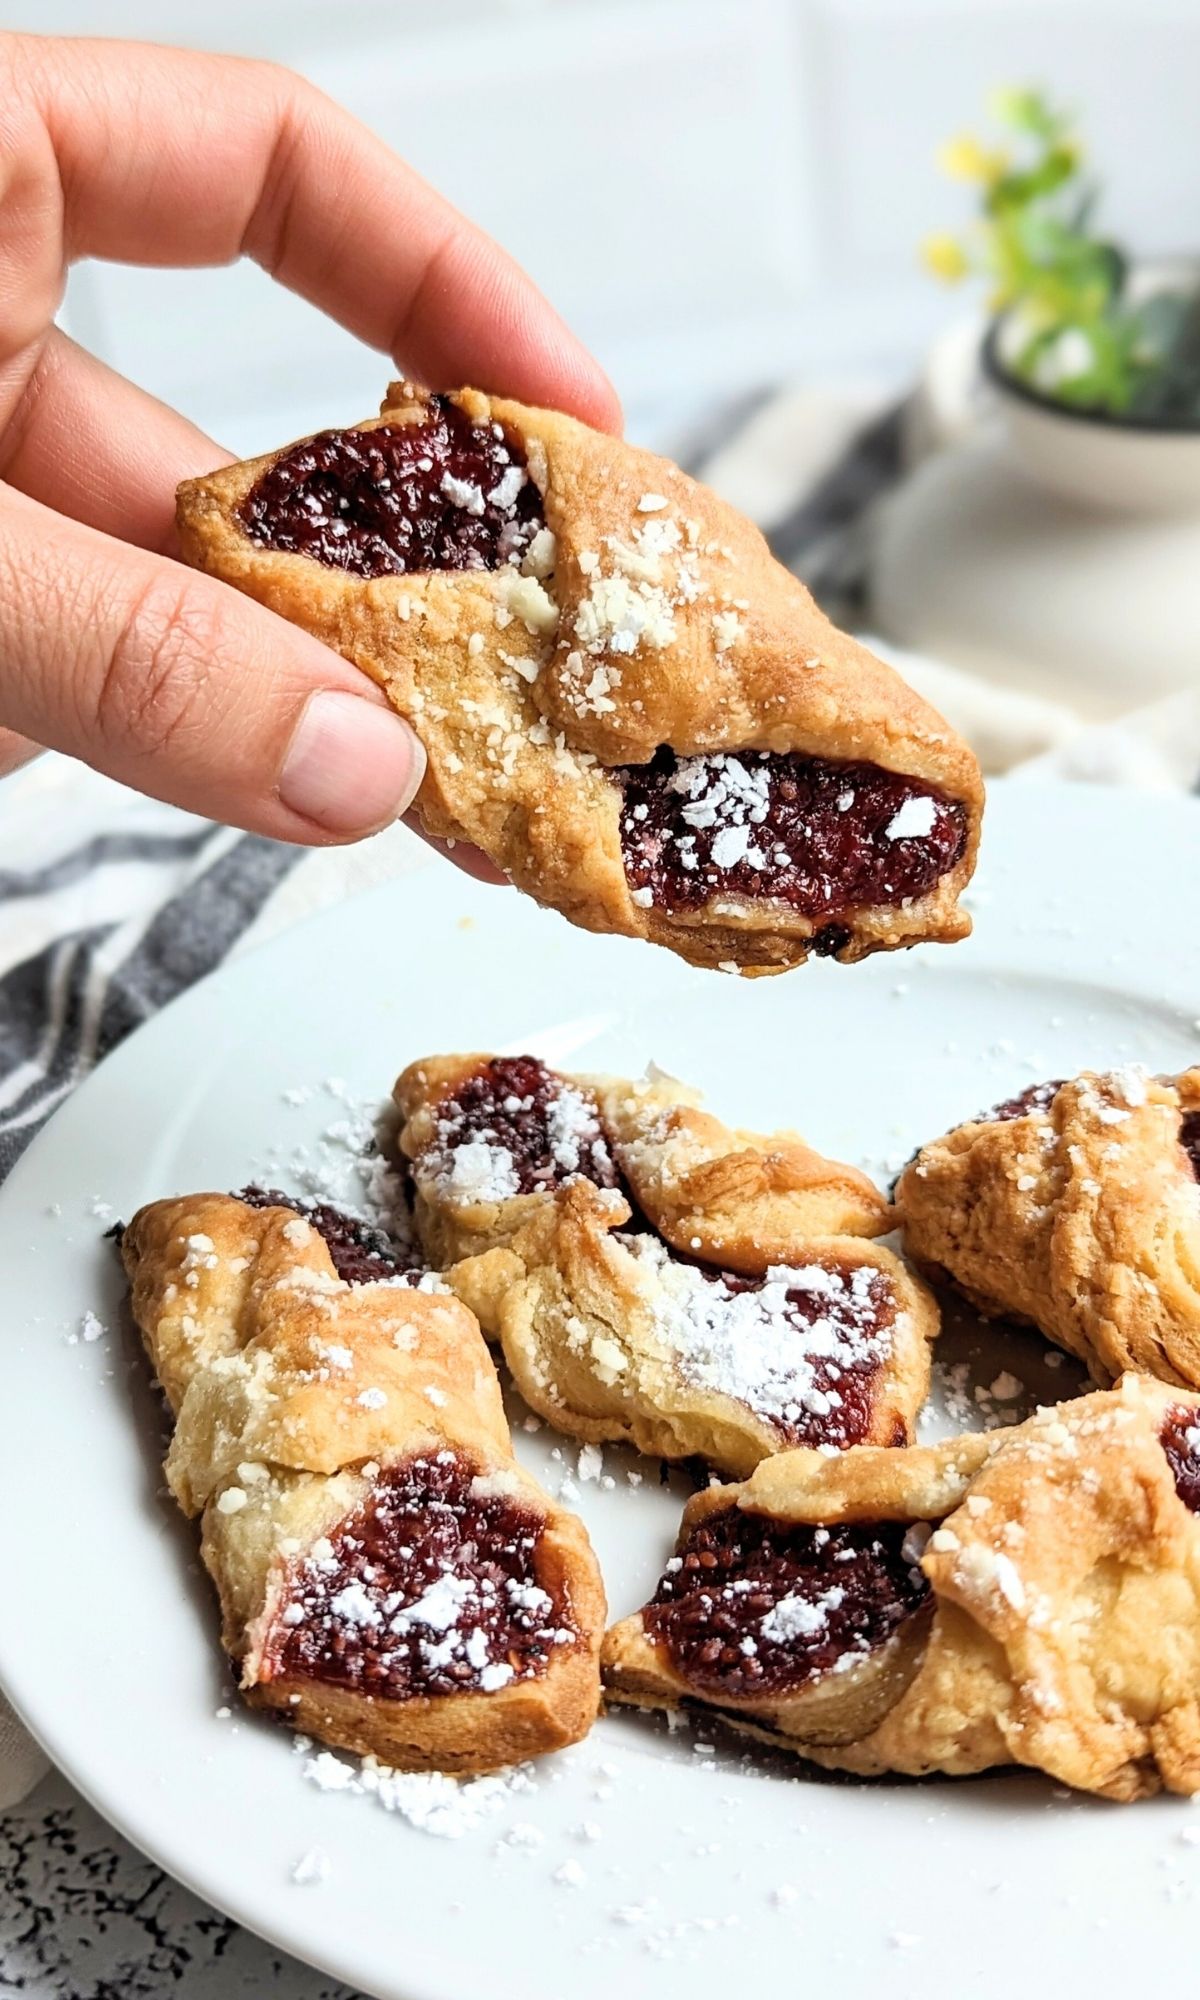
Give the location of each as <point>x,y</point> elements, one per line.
<point>606,157</point>
<point>716,192</point>
<point>891,77</point>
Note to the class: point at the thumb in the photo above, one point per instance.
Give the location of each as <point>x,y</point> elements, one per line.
<point>182,688</point>
<point>14,751</point>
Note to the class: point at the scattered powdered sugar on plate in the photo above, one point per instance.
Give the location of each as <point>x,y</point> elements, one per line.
<point>349,1164</point>
<point>431,1801</point>
<point>590,1464</point>
<point>312,1868</point>
<point>90,1329</point>
<point>967,1402</point>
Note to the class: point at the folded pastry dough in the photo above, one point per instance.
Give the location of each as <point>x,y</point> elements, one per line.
<point>625,701</point>
<point>1076,1208</point>
<point>1030,1596</point>
<point>653,1276</point>
<point>391,1580</point>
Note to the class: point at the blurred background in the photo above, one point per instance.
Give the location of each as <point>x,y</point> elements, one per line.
<point>717,195</point>
<point>729,203</point>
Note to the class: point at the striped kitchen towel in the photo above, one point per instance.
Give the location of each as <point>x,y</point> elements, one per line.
<point>109,906</point>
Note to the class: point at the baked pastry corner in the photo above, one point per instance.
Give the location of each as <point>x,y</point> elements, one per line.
<point>656,1277</point>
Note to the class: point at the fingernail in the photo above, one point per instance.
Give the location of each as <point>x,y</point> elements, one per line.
<point>351,766</point>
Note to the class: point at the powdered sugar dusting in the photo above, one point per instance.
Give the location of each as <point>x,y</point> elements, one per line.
<point>912,821</point>
<point>513,1127</point>
<point>479,1170</point>
<point>823,836</point>
<point>800,1349</point>
<point>799,1617</point>
<point>429,1588</point>
<point>91,1328</point>
<point>349,1165</point>
<point>445,1807</point>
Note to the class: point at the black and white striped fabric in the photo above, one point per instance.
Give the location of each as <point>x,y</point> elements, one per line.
<point>174,902</point>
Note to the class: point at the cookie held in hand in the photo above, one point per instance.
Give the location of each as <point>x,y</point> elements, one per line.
<point>625,701</point>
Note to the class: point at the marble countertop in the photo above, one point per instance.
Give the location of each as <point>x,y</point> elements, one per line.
<point>84,1916</point>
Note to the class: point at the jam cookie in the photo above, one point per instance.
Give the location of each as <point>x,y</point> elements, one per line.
<point>656,1278</point>
<point>1028,1596</point>
<point>391,1581</point>
<point>625,701</point>
<point>490,1136</point>
<point>1074,1208</point>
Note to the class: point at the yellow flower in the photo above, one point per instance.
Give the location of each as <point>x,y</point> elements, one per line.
<point>964,159</point>
<point>945,257</point>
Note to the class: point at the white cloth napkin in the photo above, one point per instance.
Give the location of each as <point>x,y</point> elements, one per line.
<point>1156,749</point>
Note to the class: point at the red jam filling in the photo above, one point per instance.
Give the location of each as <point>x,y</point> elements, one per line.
<point>802,1349</point>
<point>431,1588</point>
<point>1038,1097</point>
<point>442,493</point>
<point>362,1253</point>
<point>1180,1439</point>
<point>751,1607</point>
<point>527,1131</point>
<point>827,838</point>
<point>1189,1139</point>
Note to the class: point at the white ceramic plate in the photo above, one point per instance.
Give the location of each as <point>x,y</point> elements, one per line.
<point>737,1871</point>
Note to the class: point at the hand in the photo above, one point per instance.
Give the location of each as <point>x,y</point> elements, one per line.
<point>109,649</point>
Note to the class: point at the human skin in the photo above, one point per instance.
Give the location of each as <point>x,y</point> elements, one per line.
<point>110,650</point>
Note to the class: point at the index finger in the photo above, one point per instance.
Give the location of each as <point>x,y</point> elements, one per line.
<point>169,157</point>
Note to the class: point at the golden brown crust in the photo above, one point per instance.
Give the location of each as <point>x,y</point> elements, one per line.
<point>498,675</point>
<point>294,1395</point>
<point>743,1200</point>
<point>1080,1217</point>
<point>609,1337</point>
<point>1063,1629</point>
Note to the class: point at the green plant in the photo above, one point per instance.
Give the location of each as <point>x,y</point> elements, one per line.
<point>1072,330</point>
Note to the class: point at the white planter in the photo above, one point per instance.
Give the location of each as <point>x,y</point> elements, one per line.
<point>1111,463</point>
<point>1055,555</point>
